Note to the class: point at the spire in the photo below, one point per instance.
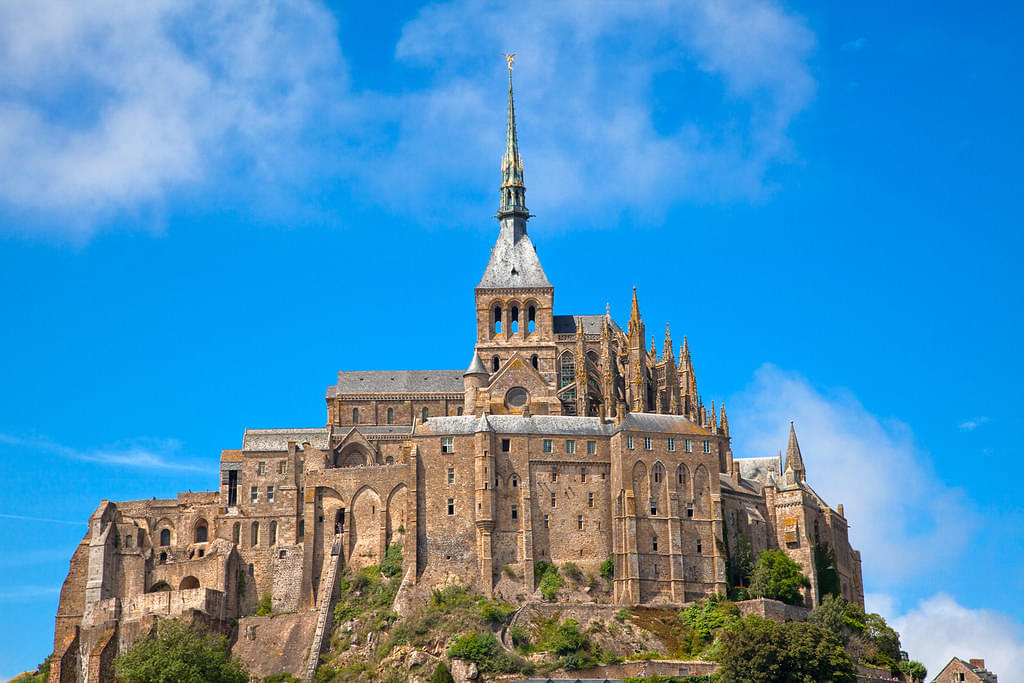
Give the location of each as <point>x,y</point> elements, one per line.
<point>513,191</point>
<point>667,349</point>
<point>714,419</point>
<point>636,326</point>
<point>725,422</point>
<point>794,460</point>
<point>654,349</point>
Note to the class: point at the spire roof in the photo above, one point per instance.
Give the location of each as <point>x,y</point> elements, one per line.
<point>794,460</point>
<point>476,366</point>
<point>513,190</point>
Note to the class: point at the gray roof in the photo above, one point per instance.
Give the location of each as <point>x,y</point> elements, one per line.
<point>566,324</point>
<point>384,429</point>
<point>516,424</point>
<point>476,366</point>
<point>654,422</point>
<point>398,381</point>
<point>760,469</point>
<point>513,263</point>
<point>277,439</point>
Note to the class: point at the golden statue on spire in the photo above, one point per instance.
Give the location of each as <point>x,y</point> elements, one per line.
<point>511,58</point>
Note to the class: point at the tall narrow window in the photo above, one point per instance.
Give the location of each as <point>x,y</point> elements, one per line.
<point>654,508</point>
<point>659,472</point>
<point>506,445</point>
<point>515,481</point>
<point>698,547</point>
<point>590,500</point>
<point>552,499</point>
<point>689,509</point>
<point>391,416</point>
<point>515,512</point>
<point>647,443</point>
<point>232,487</point>
<point>591,447</point>
<point>425,413</point>
<point>531,321</point>
<point>546,523</point>
<point>534,361</point>
<point>707,446</point>
<point>355,416</point>
<point>629,442</point>
<point>236,533</point>
<point>547,445</point>
<point>201,532</point>
<point>282,467</point>
<point>497,320</point>
<point>654,544</point>
<point>579,522</point>
<point>513,323</point>
<point>570,446</point>
<point>689,446</point>
<point>451,506</point>
<point>681,476</point>
<point>451,475</point>
<point>270,494</point>
<point>583,475</point>
<point>165,537</point>
<point>255,540</point>
<point>671,444</point>
<point>566,370</point>
<point>273,533</point>
<point>261,468</point>
<point>254,494</point>
<point>554,474</point>
<point>458,411</point>
<point>495,364</point>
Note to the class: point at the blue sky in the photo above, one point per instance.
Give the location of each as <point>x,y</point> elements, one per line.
<point>206,213</point>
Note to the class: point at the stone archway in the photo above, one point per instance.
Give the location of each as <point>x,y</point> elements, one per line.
<point>365,528</point>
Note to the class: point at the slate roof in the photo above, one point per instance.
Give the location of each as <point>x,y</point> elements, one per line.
<point>398,381</point>
<point>513,263</point>
<point>760,469</point>
<point>517,424</point>
<point>653,422</point>
<point>277,439</point>
<point>566,324</point>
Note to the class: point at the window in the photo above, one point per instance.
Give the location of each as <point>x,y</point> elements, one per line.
<point>447,444</point>
<point>506,445</point>
<point>261,468</point>
<point>236,533</point>
<point>554,473</point>
<point>451,506</point>
<point>570,446</point>
<point>202,532</point>
<point>671,444</point>
<point>658,472</point>
<point>547,445</point>
<point>689,509</point>
<point>647,443</point>
<point>681,476</point>
<point>579,522</point>
<point>583,475</point>
<point>355,416</point>
<point>531,323</point>
<point>533,360</point>
<point>567,370</point>
<point>273,533</point>
<point>495,364</point>
<point>698,547</point>
<point>497,320</point>
<point>163,558</point>
<point>654,507</point>
<point>165,537</point>
<point>654,543</point>
<point>515,512</point>
<point>391,416</point>
<point>515,481</point>
<point>552,499</point>
<point>590,500</point>
<point>458,411</point>
<point>282,467</point>
<point>451,475</point>
<point>302,528</point>
<point>254,494</point>
<point>425,413</point>
<point>591,447</point>
<point>688,446</point>
<point>270,494</point>
<point>629,442</point>
<point>516,397</point>
<point>513,325</point>
<point>707,446</point>
<point>546,522</point>
<point>255,535</point>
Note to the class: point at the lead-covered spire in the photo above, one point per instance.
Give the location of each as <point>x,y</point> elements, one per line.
<point>513,191</point>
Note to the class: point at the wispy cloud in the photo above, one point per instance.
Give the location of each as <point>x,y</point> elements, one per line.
<point>151,454</point>
<point>27,593</point>
<point>973,423</point>
<point>897,506</point>
<point>29,518</point>
<point>852,45</point>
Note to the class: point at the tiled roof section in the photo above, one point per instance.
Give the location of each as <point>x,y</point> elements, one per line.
<point>277,439</point>
<point>384,429</point>
<point>513,263</point>
<point>398,382</point>
<point>653,422</point>
<point>759,469</point>
<point>746,486</point>
<point>516,424</point>
<point>566,324</point>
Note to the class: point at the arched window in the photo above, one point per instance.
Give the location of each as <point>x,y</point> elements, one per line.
<point>513,325</point>
<point>566,369</point>
<point>273,533</point>
<point>165,537</point>
<point>202,532</point>
<point>355,416</point>
<point>534,361</point>
<point>657,472</point>
<point>681,476</point>
<point>426,413</point>
<point>236,533</point>
<point>531,319</point>
<point>497,320</point>
<point>188,583</point>
<point>495,363</point>
<point>255,534</point>
<point>391,416</point>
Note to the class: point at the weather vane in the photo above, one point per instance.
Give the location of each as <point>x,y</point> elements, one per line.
<point>511,59</point>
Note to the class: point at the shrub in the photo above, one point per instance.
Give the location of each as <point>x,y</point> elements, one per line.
<point>266,606</point>
<point>779,578</point>
<point>756,649</point>
<point>483,649</point>
<point>520,637</point>
<point>442,674</point>
<point>392,564</point>
<point>178,651</point>
<point>496,612</point>
<point>550,584</point>
<point>573,571</point>
<point>565,639</point>
<point>622,615</point>
<point>608,568</point>
<point>281,678</point>
<point>709,616</point>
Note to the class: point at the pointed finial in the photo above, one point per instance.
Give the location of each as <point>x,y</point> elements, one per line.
<point>794,459</point>
<point>513,190</point>
<point>725,422</point>
<point>510,58</point>
<point>607,309</point>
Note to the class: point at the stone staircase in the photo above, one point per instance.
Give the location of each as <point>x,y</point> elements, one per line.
<point>327,584</point>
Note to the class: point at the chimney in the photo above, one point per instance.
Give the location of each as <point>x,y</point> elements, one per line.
<point>977,663</point>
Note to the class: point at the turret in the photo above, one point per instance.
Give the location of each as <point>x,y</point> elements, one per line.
<point>794,459</point>
<point>474,378</point>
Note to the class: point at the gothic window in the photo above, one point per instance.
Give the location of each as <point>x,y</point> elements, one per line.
<point>202,532</point>
<point>681,476</point>
<point>497,320</point>
<point>658,472</point>
<point>566,369</point>
<point>255,540</point>
<point>513,325</point>
<point>165,537</point>
<point>495,364</point>
<point>531,322</point>
<point>391,416</point>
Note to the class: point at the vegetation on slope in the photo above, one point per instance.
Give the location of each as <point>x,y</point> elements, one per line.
<point>180,652</point>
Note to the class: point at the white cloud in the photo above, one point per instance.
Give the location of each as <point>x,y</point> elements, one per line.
<point>897,507</point>
<point>939,628</point>
<point>28,593</point>
<point>972,424</point>
<point>109,109</point>
<point>150,454</point>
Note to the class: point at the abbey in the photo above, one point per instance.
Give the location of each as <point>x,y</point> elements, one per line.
<point>567,438</point>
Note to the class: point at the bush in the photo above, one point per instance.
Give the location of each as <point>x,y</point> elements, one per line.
<point>496,612</point>
<point>573,571</point>
<point>520,637</point>
<point>608,568</point>
<point>778,578</point>
<point>484,651</point>
<point>392,564</point>
<point>180,652</point>
<point>565,639</point>
<point>281,678</point>
<point>757,650</point>
<point>707,617</point>
<point>41,675</point>
<point>550,584</point>
<point>442,674</point>
<point>266,606</point>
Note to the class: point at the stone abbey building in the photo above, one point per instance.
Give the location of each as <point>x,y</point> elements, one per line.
<point>566,438</point>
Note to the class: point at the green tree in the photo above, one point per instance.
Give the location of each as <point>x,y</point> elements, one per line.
<point>825,568</point>
<point>779,578</point>
<point>914,670</point>
<point>608,568</point>
<point>756,650</point>
<point>442,674</point>
<point>179,652</point>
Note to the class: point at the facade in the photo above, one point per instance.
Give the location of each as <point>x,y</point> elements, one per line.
<point>567,438</point>
<point>971,671</point>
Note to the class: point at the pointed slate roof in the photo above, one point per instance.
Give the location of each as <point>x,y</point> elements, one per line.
<point>513,263</point>
<point>476,367</point>
<point>794,460</point>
